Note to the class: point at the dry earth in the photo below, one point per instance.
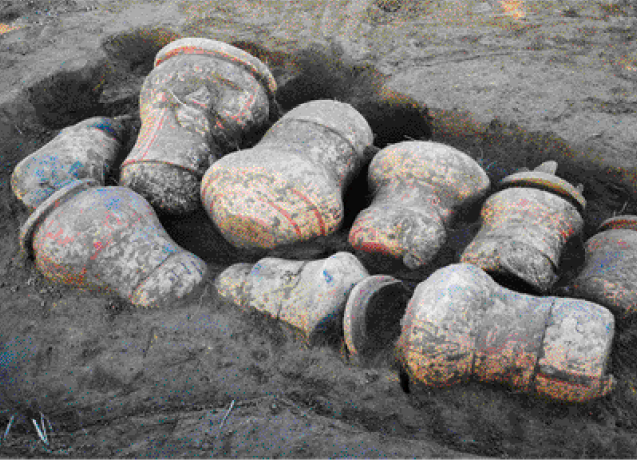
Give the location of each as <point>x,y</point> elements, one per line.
<point>511,86</point>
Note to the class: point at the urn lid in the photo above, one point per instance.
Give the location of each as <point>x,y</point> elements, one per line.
<point>623,222</point>
<point>72,188</point>
<point>544,177</point>
<point>214,48</point>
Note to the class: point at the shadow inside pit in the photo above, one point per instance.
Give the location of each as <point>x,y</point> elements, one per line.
<point>478,419</point>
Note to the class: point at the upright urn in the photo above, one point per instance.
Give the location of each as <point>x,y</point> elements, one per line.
<point>86,150</point>
<point>289,187</point>
<point>524,227</point>
<point>310,296</point>
<point>109,239</point>
<point>609,275</point>
<point>418,186</point>
<point>460,325</point>
<point>201,101</point>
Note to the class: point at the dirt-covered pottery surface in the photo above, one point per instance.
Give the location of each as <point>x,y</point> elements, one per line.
<point>510,83</point>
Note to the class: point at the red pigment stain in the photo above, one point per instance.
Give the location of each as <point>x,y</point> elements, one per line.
<point>285,214</point>
<point>149,138</point>
<point>317,214</point>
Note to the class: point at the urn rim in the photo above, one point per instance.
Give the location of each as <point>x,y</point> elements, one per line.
<point>355,325</point>
<point>621,222</point>
<point>221,50</point>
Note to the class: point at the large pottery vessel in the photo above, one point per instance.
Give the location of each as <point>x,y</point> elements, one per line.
<point>310,296</point>
<point>289,187</point>
<point>525,226</point>
<point>418,186</point>
<point>86,150</point>
<point>609,275</point>
<point>460,325</point>
<point>201,101</point>
<point>109,239</point>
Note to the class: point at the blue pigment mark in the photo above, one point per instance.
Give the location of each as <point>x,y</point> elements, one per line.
<point>75,168</point>
<point>107,127</point>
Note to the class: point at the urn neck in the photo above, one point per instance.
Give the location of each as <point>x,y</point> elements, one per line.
<point>336,117</point>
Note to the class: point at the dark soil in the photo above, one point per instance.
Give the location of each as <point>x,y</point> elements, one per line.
<point>207,379</point>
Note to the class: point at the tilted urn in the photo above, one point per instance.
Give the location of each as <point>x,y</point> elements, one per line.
<point>86,150</point>
<point>201,101</point>
<point>524,227</point>
<point>609,274</point>
<point>289,187</point>
<point>460,325</point>
<point>309,296</point>
<point>109,239</point>
<point>418,186</point>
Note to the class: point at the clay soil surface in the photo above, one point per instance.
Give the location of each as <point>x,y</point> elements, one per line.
<point>511,84</point>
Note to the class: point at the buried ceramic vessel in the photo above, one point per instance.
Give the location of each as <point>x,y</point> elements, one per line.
<point>289,187</point>
<point>417,186</point>
<point>460,325</point>
<point>609,275</point>
<point>372,316</point>
<point>202,100</point>
<point>524,227</point>
<point>86,150</point>
<point>310,296</point>
<point>109,239</point>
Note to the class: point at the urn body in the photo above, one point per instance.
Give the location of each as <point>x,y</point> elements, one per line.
<point>417,188</point>
<point>289,187</point>
<point>461,325</point>
<point>109,239</point>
